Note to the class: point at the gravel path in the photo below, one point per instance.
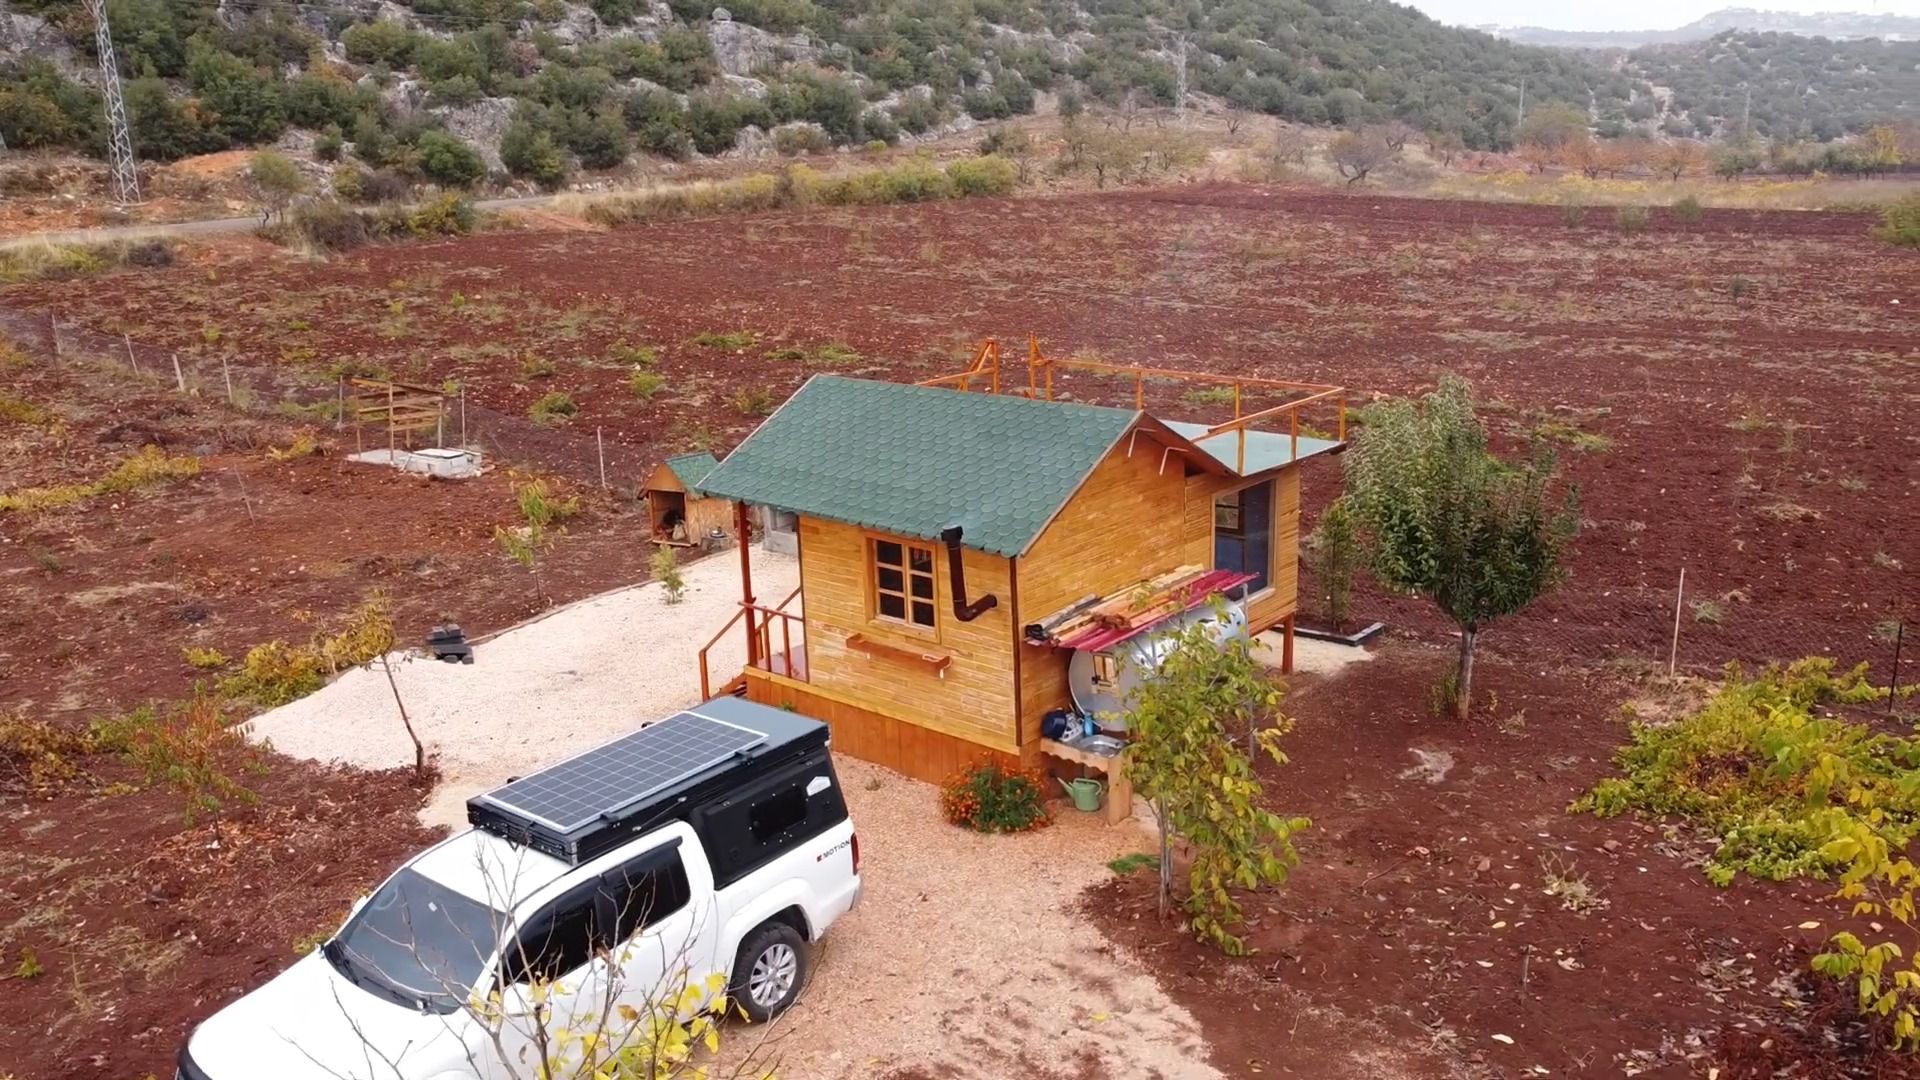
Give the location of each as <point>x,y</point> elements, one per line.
<point>964,957</point>
<point>537,693</point>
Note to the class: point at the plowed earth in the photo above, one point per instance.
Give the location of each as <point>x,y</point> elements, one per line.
<point>1735,397</point>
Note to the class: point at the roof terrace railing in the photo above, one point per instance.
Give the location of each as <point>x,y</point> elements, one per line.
<point>985,368</point>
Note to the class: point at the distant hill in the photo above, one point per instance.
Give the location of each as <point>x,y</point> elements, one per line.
<point>451,90</point>
<point>1801,87</point>
<point>1838,26</point>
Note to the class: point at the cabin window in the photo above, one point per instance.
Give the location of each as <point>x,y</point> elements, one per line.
<point>903,582</point>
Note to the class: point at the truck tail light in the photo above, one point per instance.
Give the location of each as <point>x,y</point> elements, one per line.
<point>856,853</point>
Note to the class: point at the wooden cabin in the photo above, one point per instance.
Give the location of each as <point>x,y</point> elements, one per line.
<point>678,515</point>
<point>944,527</point>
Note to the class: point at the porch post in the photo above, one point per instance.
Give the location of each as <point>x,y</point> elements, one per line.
<point>743,530</point>
<point>1286,646</point>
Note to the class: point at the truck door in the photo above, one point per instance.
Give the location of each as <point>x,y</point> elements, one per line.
<point>552,989</point>
<point>660,907</point>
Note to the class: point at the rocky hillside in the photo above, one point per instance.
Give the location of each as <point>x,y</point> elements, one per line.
<point>451,90</point>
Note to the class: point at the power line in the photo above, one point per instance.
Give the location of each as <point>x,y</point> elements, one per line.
<point>126,173</point>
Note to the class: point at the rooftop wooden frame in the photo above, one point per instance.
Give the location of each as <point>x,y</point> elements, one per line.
<point>985,368</point>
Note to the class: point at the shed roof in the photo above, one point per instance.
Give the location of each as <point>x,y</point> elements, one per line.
<point>692,468</point>
<point>914,460</point>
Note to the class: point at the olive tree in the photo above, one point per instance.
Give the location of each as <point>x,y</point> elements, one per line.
<point>1182,757</point>
<point>1444,518</point>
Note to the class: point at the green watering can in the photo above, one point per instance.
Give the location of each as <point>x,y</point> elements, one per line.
<point>1085,793</point>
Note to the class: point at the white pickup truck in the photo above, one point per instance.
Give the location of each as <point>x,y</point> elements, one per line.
<point>713,842</point>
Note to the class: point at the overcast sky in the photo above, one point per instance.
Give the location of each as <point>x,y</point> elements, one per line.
<point>1630,14</point>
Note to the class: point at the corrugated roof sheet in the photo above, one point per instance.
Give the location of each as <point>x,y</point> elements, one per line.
<point>914,460</point>
<point>1265,449</point>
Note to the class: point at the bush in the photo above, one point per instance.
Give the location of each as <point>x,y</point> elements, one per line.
<point>448,160</point>
<point>553,407</point>
<point>988,175</point>
<point>796,139</point>
<point>528,151</point>
<point>646,383</point>
<point>1688,210</point>
<point>1630,220</point>
<point>1760,770</point>
<point>382,41</point>
<point>445,215</point>
<point>330,226</point>
<point>1900,222</point>
<point>273,674</point>
<point>991,797</point>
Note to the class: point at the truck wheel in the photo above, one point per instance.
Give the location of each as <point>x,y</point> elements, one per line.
<point>770,971</point>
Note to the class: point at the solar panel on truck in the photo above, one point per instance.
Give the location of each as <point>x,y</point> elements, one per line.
<point>609,778</point>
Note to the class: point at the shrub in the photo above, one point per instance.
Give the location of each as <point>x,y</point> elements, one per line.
<point>445,215</point>
<point>447,159</point>
<point>755,401</point>
<point>204,659</point>
<point>795,139</point>
<point>1759,769</point>
<point>1573,213</point>
<point>330,226</point>
<point>273,674</point>
<point>634,355</point>
<point>645,383</point>
<point>38,758</point>
<point>1688,211</point>
<point>1630,219</point>
<point>529,151</point>
<point>535,366</point>
<point>553,407</point>
<point>1900,222</point>
<point>989,175</point>
<point>730,340</point>
<point>192,746</point>
<point>991,797</point>
<point>665,567</point>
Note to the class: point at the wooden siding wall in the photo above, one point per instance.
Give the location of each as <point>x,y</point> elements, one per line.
<point>972,701</point>
<point>859,732</point>
<point>1125,523</point>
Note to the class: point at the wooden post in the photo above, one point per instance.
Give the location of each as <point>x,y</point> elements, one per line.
<point>600,446</point>
<point>1893,684</point>
<point>440,421</point>
<point>1286,646</point>
<point>1673,651</point>
<point>390,446</point>
<point>226,376</point>
<point>340,411</point>
<point>743,528</point>
<point>131,361</point>
<point>179,378</point>
<point>53,325</point>
<point>463,416</point>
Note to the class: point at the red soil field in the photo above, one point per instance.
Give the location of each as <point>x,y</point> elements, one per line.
<point>1735,397</point>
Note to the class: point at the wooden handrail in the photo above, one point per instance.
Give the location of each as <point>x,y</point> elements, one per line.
<point>761,635</point>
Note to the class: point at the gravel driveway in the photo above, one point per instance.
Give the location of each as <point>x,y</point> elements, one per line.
<point>964,958</point>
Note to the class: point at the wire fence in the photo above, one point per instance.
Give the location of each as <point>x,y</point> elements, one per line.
<point>288,392</point>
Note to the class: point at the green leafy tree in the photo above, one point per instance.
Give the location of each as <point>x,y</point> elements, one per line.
<point>448,160</point>
<point>1445,519</point>
<point>1183,758</point>
<point>276,181</point>
<point>1553,125</point>
<point>383,41</point>
<point>1333,553</point>
<point>243,102</point>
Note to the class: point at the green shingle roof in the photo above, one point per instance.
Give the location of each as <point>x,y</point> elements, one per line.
<point>914,460</point>
<point>692,468</point>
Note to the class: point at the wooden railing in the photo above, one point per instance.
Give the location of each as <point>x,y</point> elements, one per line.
<point>760,620</point>
<point>1040,385</point>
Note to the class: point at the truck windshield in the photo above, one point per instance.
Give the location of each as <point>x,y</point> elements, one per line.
<point>417,941</point>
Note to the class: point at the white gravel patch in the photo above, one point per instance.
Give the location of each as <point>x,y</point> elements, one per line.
<point>549,688</point>
<point>965,955</point>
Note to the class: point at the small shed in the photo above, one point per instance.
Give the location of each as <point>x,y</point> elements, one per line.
<point>678,515</point>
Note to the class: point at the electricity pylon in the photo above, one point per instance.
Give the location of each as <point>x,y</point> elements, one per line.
<point>126,173</point>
